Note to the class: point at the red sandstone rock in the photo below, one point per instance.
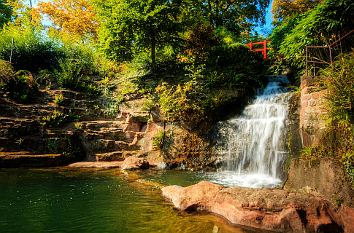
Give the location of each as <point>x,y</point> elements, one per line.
<point>267,209</point>
<point>132,163</point>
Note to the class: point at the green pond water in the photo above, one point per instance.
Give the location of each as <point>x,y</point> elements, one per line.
<point>63,200</point>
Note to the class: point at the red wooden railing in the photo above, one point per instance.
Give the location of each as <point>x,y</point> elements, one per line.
<point>263,50</point>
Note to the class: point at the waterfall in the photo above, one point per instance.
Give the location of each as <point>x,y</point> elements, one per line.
<point>253,145</point>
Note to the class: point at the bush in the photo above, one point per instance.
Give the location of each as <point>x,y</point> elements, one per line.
<point>20,85</point>
<point>59,99</point>
<point>7,73</point>
<point>318,26</point>
<point>78,70</point>
<point>29,49</point>
<point>158,139</point>
<point>58,118</point>
<point>339,81</point>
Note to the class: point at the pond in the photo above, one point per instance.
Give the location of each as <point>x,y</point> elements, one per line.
<point>64,200</point>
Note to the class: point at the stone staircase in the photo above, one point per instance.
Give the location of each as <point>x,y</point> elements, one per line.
<point>113,140</point>
<point>92,137</point>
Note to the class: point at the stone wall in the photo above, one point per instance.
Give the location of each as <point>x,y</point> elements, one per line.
<point>312,112</point>
<point>323,174</point>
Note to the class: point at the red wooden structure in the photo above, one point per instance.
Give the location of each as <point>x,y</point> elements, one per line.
<point>263,50</point>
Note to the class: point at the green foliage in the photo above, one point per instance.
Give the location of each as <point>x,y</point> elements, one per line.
<point>6,73</point>
<point>339,138</point>
<point>153,21</point>
<point>180,103</point>
<point>5,13</point>
<point>28,49</point>
<point>78,126</point>
<point>20,85</point>
<point>348,163</point>
<point>76,75</point>
<point>158,139</point>
<point>130,28</point>
<point>318,26</point>
<point>59,99</point>
<point>340,84</point>
<point>58,118</point>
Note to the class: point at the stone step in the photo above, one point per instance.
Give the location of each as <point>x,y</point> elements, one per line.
<point>105,146</point>
<point>72,103</point>
<point>48,144</point>
<point>114,134</point>
<point>50,133</point>
<point>32,111</point>
<point>97,125</point>
<point>68,94</point>
<point>4,143</point>
<point>18,127</point>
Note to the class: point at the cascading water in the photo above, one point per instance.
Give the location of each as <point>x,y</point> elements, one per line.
<point>253,144</point>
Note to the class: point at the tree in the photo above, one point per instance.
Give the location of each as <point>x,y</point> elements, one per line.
<point>5,13</point>
<point>319,26</point>
<point>71,17</point>
<point>235,15</point>
<point>130,26</point>
<point>283,9</point>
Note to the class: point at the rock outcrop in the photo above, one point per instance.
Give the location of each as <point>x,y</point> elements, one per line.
<point>267,209</point>
<point>325,175</point>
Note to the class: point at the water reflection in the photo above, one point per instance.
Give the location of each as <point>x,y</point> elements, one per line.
<point>59,200</point>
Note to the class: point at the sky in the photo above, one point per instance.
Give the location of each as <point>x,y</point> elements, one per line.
<point>266,29</point>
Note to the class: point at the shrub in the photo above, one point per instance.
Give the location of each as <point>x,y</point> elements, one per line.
<point>317,27</point>
<point>58,118</point>
<point>158,139</point>
<point>29,49</point>
<point>339,80</point>
<point>59,99</point>
<point>76,75</point>
<point>340,83</point>
<point>7,73</point>
<point>20,85</point>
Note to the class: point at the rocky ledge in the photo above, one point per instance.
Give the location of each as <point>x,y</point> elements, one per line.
<point>267,209</point>
<point>130,163</point>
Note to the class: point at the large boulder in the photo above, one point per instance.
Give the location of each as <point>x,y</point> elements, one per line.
<point>267,209</point>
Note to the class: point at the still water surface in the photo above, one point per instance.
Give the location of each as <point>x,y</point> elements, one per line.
<point>61,200</point>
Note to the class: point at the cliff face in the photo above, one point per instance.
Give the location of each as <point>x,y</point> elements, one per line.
<point>321,172</point>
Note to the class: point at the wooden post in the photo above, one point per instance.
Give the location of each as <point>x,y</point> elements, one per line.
<point>12,48</point>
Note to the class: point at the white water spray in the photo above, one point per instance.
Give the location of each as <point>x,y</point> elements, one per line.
<point>253,144</point>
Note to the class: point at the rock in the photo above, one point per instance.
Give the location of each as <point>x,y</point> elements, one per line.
<point>132,163</point>
<point>266,209</point>
<point>107,165</point>
<point>28,159</point>
<point>346,216</point>
<point>325,175</point>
